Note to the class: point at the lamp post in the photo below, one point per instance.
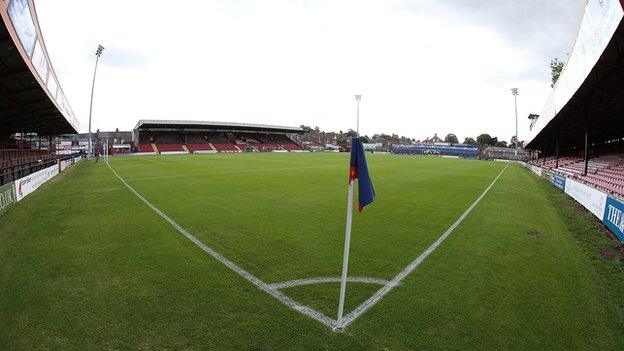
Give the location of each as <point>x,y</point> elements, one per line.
<point>514,92</point>
<point>357,100</point>
<point>98,53</point>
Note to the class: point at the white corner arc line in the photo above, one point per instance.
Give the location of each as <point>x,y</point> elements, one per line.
<point>358,311</point>
<point>321,280</point>
<point>320,317</point>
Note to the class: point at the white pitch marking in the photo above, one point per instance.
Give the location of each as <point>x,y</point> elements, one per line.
<point>348,319</point>
<point>320,280</point>
<point>329,322</point>
<point>271,290</point>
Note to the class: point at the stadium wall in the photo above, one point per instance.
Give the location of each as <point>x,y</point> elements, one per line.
<point>605,207</point>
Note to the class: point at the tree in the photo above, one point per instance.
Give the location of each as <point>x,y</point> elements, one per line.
<point>486,139</point>
<point>365,139</point>
<point>513,142</point>
<point>501,143</point>
<point>556,67</point>
<point>470,141</point>
<point>451,138</point>
<point>351,133</point>
<point>380,138</point>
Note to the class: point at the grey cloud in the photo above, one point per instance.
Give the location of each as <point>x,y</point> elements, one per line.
<point>543,28</point>
<point>121,58</point>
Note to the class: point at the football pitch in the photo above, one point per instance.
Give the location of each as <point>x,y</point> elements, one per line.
<point>244,251</point>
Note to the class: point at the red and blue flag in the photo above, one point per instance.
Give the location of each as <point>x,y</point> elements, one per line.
<point>359,170</point>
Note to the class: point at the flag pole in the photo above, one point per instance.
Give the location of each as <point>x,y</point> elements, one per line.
<point>345,255</point>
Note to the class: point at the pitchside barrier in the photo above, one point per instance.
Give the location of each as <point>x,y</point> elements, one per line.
<point>7,196</point>
<point>15,191</point>
<point>607,208</point>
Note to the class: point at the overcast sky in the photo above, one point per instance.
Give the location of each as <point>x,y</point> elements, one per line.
<point>422,66</point>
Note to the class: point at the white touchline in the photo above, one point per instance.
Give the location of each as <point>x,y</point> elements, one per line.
<point>320,280</point>
<point>348,319</point>
<point>330,323</point>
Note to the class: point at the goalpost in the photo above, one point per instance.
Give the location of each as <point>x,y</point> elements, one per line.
<point>105,151</point>
<point>101,147</point>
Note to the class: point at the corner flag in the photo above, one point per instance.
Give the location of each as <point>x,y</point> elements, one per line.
<point>359,170</point>
<point>366,194</point>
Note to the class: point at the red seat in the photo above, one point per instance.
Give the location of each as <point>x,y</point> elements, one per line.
<point>198,147</point>
<point>169,147</point>
<point>226,147</point>
<point>145,148</point>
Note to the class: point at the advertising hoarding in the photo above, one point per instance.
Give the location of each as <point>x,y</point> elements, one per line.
<point>558,180</point>
<point>40,62</point>
<point>7,196</point>
<point>536,170</point>
<point>63,165</point>
<point>30,183</point>
<point>592,199</point>
<point>613,217</point>
<point>21,18</point>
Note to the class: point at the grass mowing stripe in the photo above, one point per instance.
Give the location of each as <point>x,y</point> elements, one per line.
<point>260,170</point>
<point>330,323</point>
<point>351,317</point>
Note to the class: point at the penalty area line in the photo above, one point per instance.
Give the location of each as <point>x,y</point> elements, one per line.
<point>351,317</point>
<point>312,313</point>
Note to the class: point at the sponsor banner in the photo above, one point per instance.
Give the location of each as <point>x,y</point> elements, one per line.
<point>30,183</point>
<point>558,180</point>
<point>77,159</point>
<point>65,164</point>
<point>7,196</point>
<point>145,153</point>
<point>614,218</point>
<point>535,169</point>
<point>205,152</point>
<point>590,198</point>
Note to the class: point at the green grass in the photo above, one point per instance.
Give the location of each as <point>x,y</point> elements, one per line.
<point>84,264</point>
